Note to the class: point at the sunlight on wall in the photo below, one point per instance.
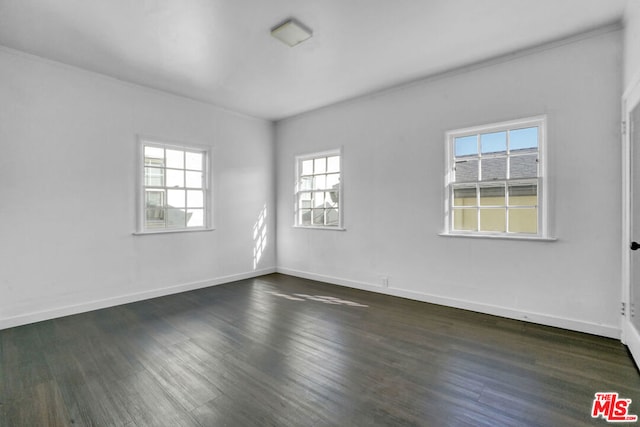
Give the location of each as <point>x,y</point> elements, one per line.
<point>259,237</point>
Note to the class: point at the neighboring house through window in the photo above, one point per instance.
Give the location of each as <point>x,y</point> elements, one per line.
<point>319,190</point>
<point>175,191</point>
<point>495,179</point>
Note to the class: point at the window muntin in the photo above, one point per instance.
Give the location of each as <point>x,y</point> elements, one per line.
<point>174,188</point>
<point>318,197</point>
<point>495,179</point>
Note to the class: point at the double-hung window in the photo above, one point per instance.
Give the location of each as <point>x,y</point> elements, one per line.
<point>318,195</point>
<point>495,180</point>
<point>174,194</point>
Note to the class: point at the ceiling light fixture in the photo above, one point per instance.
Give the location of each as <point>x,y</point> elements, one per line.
<point>291,32</point>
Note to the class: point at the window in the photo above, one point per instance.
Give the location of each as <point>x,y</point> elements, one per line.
<point>175,191</point>
<point>319,190</point>
<point>495,180</point>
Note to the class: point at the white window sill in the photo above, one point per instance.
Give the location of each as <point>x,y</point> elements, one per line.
<point>311,227</point>
<point>500,237</point>
<point>185,230</point>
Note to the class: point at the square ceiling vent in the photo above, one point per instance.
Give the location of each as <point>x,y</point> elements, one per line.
<point>291,32</point>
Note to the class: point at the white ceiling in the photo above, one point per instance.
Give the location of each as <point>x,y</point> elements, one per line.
<point>221,51</point>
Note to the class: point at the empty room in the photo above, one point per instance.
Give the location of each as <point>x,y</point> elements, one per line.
<point>319,213</point>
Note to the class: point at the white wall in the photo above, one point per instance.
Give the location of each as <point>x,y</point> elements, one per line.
<point>393,163</point>
<point>632,42</point>
<point>67,194</point>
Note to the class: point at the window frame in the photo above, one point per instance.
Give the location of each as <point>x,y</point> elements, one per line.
<point>541,180</point>
<point>147,141</point>
<point>297,191</point>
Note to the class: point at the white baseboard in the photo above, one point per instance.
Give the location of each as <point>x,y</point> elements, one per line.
<point>610,331</point>
<point>631,338</point>
<point>23,319</point>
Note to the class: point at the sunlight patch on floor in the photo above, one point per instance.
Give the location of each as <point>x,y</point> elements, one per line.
<point>317,298</point>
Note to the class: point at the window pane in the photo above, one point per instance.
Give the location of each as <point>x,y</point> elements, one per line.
<point>195,218</point>
<point>154,218</point>
<point>304,204</point>
<point>495,142</point>
<point>523,220</point>
<point>153,156</point>
<point>307,167</point>
<point>154,198</point>
<point>327,199</point>
<point>305,217</point>
<point>494,168</point>
<point>175,198</point>
<point>175,178</point>
<point>333,164</point>
<point>195,199</point>
<point>523,194</point>
<point>492,196</point>
<point>332,217</point>
<point>466,146</point>
<point>176,218</point>
<point>318,217</point>
<point>305,200</point>
<point>320,165</point>
<point>194,179</point>
<point>524,166</point>
<point>193,160</point>
<point>318,199</point>
<point>493,219</point>
<point>465,219</point>
<point>319,182</point>
<point>153,177</point>
<point>464,196</point>
<point>175,159</point>
<point>333,180</point>
<point>332,197</point>
<point>306,183</point>
<point>466,170</point>
<point>522,139</point>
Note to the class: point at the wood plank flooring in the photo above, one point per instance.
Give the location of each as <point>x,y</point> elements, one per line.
<point>284,351</point>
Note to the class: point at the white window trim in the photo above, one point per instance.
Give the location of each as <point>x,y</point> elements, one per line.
<point>298,161</point>
<point>543,203</point>
<point>143,140</point>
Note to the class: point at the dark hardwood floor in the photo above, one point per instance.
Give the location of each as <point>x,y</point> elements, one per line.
<point>283,351</point>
